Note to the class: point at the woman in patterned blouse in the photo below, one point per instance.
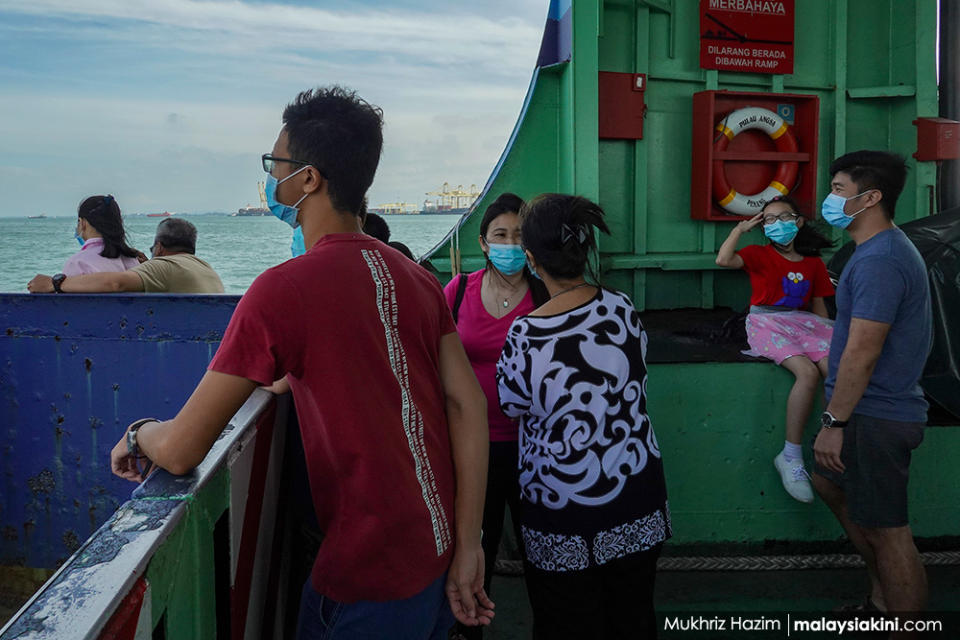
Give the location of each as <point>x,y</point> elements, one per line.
<point>594,508</point>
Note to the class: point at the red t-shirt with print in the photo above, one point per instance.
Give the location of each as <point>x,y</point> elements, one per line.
<point>778,282</point>
<point>355,327</point>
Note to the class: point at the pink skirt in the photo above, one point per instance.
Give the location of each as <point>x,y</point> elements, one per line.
<point>782,334</point>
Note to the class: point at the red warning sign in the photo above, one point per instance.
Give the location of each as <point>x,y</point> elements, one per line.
<point>754,36</point>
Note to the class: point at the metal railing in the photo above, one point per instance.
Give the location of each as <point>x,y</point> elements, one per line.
<point>115,583</point>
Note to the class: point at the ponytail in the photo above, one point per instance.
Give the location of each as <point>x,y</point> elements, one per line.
<point>103,214</point>
<point>558,230</point>
<point>809,240</point>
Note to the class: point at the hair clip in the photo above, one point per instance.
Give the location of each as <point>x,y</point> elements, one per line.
<point>567,233</point>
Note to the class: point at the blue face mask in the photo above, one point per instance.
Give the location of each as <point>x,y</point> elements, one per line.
<point>297,246</point>
<point>832,210</point>
<point>533,271</point>
<point>78,237</point>
<point>284,212</point>
<point>507,258</point>
<point>781,232</point>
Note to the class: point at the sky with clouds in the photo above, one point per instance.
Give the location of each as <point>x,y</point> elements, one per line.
<point>168,104</point>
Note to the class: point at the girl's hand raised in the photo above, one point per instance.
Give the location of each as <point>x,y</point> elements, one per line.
<point>747,225</point>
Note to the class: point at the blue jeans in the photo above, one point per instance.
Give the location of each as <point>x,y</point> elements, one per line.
<point>424,616</point>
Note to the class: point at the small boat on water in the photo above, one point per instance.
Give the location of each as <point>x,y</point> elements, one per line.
<point>165,214</point>
<point>42,215</point>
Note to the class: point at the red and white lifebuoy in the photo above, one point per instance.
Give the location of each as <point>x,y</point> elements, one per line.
<point>786,175</point>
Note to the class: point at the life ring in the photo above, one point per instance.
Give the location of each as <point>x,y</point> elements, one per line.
<point>786,175</point>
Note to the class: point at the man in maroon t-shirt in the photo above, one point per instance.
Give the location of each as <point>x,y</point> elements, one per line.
<point>392,417</point>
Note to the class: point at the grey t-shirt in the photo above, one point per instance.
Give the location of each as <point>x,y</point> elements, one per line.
<point>179,273</point>
<point>886,281</point>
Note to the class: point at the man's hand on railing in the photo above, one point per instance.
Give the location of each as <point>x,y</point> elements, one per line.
<point>181,443</point>
<point>128,466</point>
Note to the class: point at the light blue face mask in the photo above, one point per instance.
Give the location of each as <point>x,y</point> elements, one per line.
<point>297,246</point>
<point>781,232</point>
<point>284,212</point>
<point>832,210</point>
<point>507,258</point>
<point>533,271</point>
<point>78,237</point>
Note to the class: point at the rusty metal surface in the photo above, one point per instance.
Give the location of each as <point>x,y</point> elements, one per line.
<point>75,370</point>
<point>78,600</point>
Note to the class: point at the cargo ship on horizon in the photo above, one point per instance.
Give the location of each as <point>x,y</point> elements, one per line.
<point>449,201</point>
<point>262,210</point>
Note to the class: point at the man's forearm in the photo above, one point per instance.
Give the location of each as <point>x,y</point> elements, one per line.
<point>853,376</point>
<point>180,444</point>
<point>470,442</point>
<point>150,439</point>
<point>107,282</point>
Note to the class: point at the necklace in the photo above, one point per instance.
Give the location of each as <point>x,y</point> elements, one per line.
<point>569,289</point>
<point>513,292</point>
<point>506,300</point>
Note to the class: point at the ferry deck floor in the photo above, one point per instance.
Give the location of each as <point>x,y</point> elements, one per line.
<point>708,593</point>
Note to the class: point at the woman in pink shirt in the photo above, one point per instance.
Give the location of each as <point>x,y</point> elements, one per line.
<point>484,304</point>
<point>102,238</point>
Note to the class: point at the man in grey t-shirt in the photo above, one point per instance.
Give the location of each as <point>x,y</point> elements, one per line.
<point>875,408</point>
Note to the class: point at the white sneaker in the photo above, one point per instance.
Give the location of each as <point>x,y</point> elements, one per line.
<point>795,478</point>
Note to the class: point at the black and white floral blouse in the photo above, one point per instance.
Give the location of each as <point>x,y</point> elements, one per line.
<point>591,475</point>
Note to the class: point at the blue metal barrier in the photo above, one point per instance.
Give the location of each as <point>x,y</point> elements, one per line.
<point>75,370</point>
<point>119,583</point>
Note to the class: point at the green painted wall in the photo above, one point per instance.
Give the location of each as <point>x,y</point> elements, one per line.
<point>871,63</point>
<point>718,456</point>
<point>524,170</point>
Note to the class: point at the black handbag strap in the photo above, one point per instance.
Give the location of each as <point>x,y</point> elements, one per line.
<point>461,289</point>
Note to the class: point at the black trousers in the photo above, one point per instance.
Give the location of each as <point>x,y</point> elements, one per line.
<point>611,601</point>
<point>503,490</point>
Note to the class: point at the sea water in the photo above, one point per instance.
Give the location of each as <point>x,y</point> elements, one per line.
<point>238,248</point>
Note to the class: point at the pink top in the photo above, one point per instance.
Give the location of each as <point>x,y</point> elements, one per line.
<point>483,337</point>
<point>89,260</point>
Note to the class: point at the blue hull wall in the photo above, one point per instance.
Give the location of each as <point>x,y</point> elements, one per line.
<point>75,370</point>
